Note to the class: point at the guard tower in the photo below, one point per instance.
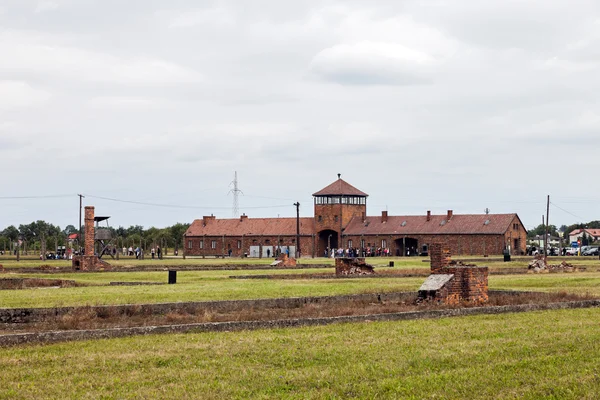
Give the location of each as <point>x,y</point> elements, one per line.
<point>335,206</point>
<point>102,238</point>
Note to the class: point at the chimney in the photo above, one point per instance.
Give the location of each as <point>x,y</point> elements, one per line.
<point>384,216</point>
<point>449,215</point>
<point>207,218</point>
<point>89,236</point>
<point>243,217</point>
<point>428,215</point>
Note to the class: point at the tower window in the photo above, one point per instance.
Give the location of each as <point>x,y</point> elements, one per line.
<point>335,218</point>
<point>320,218</point>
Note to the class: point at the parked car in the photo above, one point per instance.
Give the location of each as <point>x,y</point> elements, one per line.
<point>572,251</point>
<point>592,251</point>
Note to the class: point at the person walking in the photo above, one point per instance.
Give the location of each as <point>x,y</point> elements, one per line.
<point>152,251</point>
<point>158,253</point>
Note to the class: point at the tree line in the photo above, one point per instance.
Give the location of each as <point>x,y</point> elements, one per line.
<point>565,230</point>
<point>41,235</point>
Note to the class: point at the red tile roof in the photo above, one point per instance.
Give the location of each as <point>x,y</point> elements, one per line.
<point>466,224</point>
<point>73,236</point>
<point>250,227</point>
<point>340,187</point>
<point>593,232</point>
<point>439,224</point>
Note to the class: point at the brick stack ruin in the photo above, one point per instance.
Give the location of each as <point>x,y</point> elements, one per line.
<point>453,283</point>
<point>284,261</point>
<point>89,261</point>
<point>352,266</point>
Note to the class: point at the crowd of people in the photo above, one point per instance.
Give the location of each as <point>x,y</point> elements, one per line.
<point>356,252</point>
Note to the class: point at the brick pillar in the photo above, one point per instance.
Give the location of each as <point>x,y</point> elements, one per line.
<point>89,231</point>
<point>439,256</point>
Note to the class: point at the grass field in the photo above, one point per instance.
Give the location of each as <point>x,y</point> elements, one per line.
<point>216,285</point>
<point>400,262</point>
<point>551,355</point>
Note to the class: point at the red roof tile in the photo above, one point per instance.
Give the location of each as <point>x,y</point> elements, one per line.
<point>418,225</point>
<point>593,232</point>
<point>340,187</point>
<point>251,227</point>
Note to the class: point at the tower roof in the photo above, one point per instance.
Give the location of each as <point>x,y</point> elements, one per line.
<point>340,188</point>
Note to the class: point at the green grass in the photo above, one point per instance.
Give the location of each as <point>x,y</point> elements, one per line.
<point>194,287</point>
<point>550,354</point>
<point>400,262</point>
<point>215,285</point>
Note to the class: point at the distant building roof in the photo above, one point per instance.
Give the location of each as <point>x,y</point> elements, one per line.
<point>341,188</point>
<point>593,232</point>
<point>483,224</point>
<point>73,236</point>
<point>250,227</point>
<point>486,224</point>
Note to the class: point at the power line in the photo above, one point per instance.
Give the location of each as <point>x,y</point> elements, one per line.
<point>176,205</point>
<point>54,196</point>
<point>568,212</point>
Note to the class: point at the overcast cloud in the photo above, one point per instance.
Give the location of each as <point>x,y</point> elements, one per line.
<point>425,105</point>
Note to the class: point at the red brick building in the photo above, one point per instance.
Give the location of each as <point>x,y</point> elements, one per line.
<point>340,220</point>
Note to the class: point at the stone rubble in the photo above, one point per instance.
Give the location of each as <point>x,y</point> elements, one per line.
<point>352,266</point>
<point>539,266</point>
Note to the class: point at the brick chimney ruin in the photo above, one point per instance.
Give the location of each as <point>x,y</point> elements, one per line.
<point>89,261</point>
<point>451,282</point>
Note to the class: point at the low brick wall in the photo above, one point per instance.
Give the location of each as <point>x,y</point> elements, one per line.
<point>62,336</point>
<point>27,283</point>
<point>24,315</point>
<point>162,267</point>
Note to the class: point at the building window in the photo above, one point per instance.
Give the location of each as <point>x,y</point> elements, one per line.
<point>190,244</point>
<point>202,244</point>
<point>213,244</point>
<point>239,244</point>
<point>350,243</point>
<point>320,218</point>
<point>362,243</point>
<point>335,218</point>
<point>383,244</point>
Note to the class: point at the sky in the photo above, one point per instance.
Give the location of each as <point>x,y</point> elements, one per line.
<point>149,107</point>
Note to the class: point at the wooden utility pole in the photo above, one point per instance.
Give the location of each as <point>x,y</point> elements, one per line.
<point>79,234</point>
<point>297,204</point>
<point>547,227</point>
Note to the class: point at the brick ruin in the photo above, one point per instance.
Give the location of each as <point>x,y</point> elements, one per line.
<point>352,266</point>
<point>284,261</point>
<point>89,261</point>
<point>451,282</point>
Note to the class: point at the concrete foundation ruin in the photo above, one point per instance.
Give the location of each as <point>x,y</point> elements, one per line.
<point>352,266</point>
<point>451,282</point>
<point>89,261</point>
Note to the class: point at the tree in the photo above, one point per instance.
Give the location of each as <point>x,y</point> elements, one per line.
<point>11,233</point>
<point>69,229</point>
<point>177,232</point>
<point>540,230</point>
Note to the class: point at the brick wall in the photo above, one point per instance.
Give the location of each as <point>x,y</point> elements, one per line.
<point>458,244</point>
<point>224,243</point>
<point>516,236</point>
<point>470,283</point>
